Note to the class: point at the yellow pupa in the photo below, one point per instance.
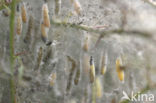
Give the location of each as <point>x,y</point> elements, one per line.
<point>103,64</point>
<point>19,25</point>
<point>45,15</point>
<point>24,13</point>
<point>98,88</point>
<point>92,70</point>
<point>103,69</point>
<point>119,70</point>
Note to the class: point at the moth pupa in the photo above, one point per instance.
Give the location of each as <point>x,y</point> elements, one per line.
<point>77,6</point>
<point>45,15</point>
<point>19,25</point>
<point>39,58</point>
<point>57,6</point>
<point>77,76</point>
<point>27,38</point>
<point>47,57</point>
<point>69,83</point>
<point>44,35</point>
<point>104,64</point>
<point>30,24</point>
<point>18,22</point>
<point>24,13</point>
<point>52,79</point>
<point>86,44</point>
<point>98,88</point>
<point>6,12</point>
<point>92,70</point>
<point>119,70</point>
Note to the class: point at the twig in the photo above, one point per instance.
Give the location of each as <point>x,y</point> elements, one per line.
<point>125,32</point>
<point>12,22</point>
<point>102,32</point>
<point>74,25</point>
<point>12,19</point>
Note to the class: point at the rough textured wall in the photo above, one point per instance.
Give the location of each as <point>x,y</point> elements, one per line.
<point>131,26</point>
